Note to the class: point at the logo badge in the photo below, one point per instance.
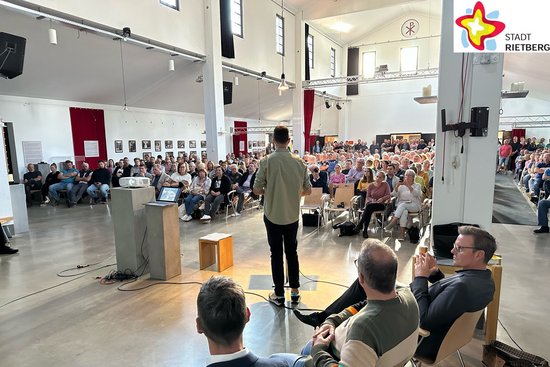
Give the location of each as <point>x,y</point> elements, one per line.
<point>480,28</point>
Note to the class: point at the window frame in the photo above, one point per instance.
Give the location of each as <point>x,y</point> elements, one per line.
<point>175,7</point>
<point>401,60</point>
<point>363,64</point>
<point>311,55</point>
<point>282,36</point>
<point>233,15</point>
<point>332,62</point>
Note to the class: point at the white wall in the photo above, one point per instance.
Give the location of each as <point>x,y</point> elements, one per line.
<point>321,56</point>
<point>325,120</point>
<point>49,121</point>
<point>186,28</point>
<point>256,50</point>
<point>384,108</point>
<point>388,41</point>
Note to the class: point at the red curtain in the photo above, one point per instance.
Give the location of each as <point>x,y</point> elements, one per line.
<point>239,137</point>
<point>520,133</point>
<point>309,104</point>
<point>88,124</point>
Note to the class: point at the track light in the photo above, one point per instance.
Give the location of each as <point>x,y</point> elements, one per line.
<point>171,66</point>
<point>126,33</point>
<point>338,107</point>
<point>236,80</point>
<point>283,86</point>
<point>327,103</point>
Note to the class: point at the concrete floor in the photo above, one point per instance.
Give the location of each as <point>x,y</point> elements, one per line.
<point>85,323</point>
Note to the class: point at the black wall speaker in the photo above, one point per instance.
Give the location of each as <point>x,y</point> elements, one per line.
<point>227,93</point>
<point>12,55</point>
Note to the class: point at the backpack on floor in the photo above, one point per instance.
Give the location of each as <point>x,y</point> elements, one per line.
<point>414,234</point>
<point>346,229</point>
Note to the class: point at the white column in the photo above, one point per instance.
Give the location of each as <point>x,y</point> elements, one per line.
<point>297,121</point>
<point>5,197</point>
<point>213,83</point>
<point>465,194</point>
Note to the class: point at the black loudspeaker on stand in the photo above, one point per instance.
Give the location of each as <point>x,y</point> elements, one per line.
<point>12,55</point>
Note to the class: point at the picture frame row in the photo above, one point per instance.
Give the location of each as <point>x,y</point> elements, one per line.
<point>203,154</point>
<point>146,145</point>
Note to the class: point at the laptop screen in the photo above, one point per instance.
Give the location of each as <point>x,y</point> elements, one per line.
<point>169,194</point>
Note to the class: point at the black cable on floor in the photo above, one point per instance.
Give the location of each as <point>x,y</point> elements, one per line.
<point>323,281</point>
<point>510,336</point>
<point>60,274</point>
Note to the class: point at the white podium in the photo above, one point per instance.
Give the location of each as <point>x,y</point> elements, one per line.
<point>128,206</point>
<point>19,208</point>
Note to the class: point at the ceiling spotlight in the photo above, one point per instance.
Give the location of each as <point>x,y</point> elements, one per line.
<point>338,107</point>
<point>126,33</point>
<point>327,103</point>
<point>171,66</point>
<point>236,80</point>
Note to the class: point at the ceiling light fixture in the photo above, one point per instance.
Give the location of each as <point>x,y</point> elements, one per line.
<point>338,106</point>
<point>52,35</point>
<point>171,65</point>
<point>123,77</point>
<point>327,103</point>
<point>282,85</point>
<point>126,33</point>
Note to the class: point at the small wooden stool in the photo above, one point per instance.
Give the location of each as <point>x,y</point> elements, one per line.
<point>223,254</point>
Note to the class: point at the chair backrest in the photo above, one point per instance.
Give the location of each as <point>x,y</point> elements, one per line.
<point>315,197</point>
<point>460,334</point>
<point>344,194</point>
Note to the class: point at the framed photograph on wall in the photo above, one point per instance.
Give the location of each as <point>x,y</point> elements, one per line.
<point>181,144</point>
<point>168,144</point>
<point>204,154</point>
<point>181,153</point>
<point>118,146</point>
<point>146,144</point>
<point>158,146</point>
<point>170,154</point>
<point>203,144</point>
<point>192,144</point>
<point>146,155</point>
<point>132,146</point>
<point>193,154</point>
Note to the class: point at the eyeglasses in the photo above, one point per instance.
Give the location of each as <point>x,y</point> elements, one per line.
<point>460,249</point>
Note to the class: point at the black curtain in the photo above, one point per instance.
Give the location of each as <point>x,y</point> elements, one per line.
<point>307,54</point>
<point>228,47</point>
<point>353,69</point>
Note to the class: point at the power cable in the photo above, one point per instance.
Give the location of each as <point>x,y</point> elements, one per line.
<point>510,336</point>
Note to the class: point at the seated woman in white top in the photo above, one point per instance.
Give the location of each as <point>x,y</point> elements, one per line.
<point>409,195</point>
<point>181,178</point>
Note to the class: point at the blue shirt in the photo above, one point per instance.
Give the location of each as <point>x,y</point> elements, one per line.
<point>68,172</point>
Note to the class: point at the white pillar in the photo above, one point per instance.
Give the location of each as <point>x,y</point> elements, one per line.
<point>213,83</point>
<point>5,196</point>
<point>466,192</point>
<point>297,121</point>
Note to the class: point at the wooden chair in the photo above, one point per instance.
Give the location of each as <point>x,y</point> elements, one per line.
<point>344,195</point>
<point>460,334</point>
<point>316,201</point>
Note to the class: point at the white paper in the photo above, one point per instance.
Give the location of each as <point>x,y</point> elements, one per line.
<point>91,148</point>
<point>32,151</point>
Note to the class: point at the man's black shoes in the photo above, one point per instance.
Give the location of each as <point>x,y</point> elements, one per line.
<point>542,229</point>
<point>312,319</point>
<point>6,250</point>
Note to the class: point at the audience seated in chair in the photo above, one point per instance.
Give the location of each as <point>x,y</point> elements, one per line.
<point>160,179</point>
<point>66,178</point>
<point>51,178</point>
<point>336,179</point>
<point>318,180</point>
<point>409,196</point>
<point>32,181</point>
<point>244,188</point>
<point>100,182</point>
<point>383,332</point>
<point>378,194</point>
<point>198,190</point>
<point>470,289</point>
<point>181,178</point>
<point>542,212</point>
<point>143,172</point>
<point>80,186</point>
<point>219,187</point>
<point>222,316</point>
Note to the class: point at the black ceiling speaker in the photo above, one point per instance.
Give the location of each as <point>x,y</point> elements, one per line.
<point>12,55</point>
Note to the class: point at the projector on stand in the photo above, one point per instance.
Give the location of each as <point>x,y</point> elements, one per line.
<point>134,182</point>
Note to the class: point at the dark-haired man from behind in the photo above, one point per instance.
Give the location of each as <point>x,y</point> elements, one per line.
<point>222,316</point>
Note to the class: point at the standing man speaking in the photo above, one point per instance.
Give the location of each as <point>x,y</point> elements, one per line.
<point>283,179</point>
